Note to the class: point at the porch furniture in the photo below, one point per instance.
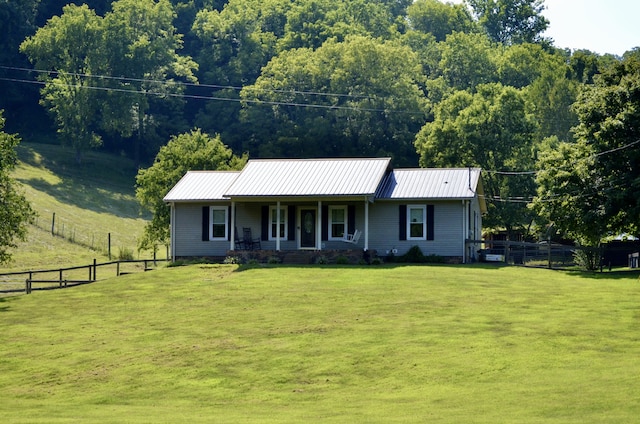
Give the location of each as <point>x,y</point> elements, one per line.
<point>238,242</point>
<point>249,242</point>
<point>353,238</point>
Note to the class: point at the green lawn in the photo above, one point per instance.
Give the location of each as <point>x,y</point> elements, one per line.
<point>437,344</point>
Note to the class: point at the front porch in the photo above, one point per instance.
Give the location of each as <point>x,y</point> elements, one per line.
<point>304,257</point>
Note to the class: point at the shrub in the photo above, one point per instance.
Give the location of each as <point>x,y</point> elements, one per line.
<point>274,260</point>
<point>232,260</point>
<point>125,254</point>
<point>413,255</point>
<point>342,260</point>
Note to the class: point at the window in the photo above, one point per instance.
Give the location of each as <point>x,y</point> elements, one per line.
<point>416,222</point>
<point>218,229</point>
<point>274,226</point>
<point>337,222</point>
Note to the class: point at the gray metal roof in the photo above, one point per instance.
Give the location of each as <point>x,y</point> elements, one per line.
<point>430,183</point>
<point>309,177</point>
<point>201,185</point>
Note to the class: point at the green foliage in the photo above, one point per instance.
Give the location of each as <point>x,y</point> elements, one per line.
<point>439,19</point>
<point>15,211</point>
<point>346,119</point>
<point>511,21</point>
<point>491,129</point>
<point>125,253</point>
<point>590,187</point>
<point>186,152</point>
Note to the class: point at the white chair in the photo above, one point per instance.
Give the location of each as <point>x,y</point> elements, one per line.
<point>353,238</point>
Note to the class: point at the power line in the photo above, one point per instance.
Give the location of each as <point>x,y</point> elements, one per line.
<point>212,86</point>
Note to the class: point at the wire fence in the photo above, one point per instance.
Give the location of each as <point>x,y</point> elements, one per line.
<point>112,245</point>
<point>557,256</point>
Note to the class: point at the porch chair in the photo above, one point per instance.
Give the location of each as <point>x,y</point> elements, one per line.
<point>237,241</point>
<point>353,238</point>
<point>250,243</point>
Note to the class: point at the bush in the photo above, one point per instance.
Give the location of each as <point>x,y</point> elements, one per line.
<point>125,254</point>
<point>232,260</point>
<point>342,260</point>
<point>413,255</point>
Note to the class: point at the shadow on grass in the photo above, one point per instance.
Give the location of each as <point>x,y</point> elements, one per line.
<point>101,183</point>
<point>621,274</point>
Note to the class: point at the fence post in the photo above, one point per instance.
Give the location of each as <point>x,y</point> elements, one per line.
<point>109,244</point>
<point>118,269</point>
<point>53,224</point>
<point>60,278</point>
<point>549,251</point>
<point>94,270</point>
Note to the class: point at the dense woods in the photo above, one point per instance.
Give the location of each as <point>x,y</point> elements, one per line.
<point>426,82</point>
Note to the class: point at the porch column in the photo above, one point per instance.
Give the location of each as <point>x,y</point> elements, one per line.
<point>366,224</point>
<point>172,234</point>
<point>319,226</point>
<point>464,230</point>
<point>232,230</point>
<point>278,226</point>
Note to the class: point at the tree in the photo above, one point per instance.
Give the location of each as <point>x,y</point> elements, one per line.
<point>511,21</point>
<point>185,152</point>
<point>439,19</point>
<point>15,212</point>
<point>142,45</point>
<point>468,60</point>
<point>355,98</point>
<point>493,130</point>
<point>67,46</point>
<point>589,188</point>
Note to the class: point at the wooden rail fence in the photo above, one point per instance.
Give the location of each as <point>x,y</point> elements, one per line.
<point>27,281</point>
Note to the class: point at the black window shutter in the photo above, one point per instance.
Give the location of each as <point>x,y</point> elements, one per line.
<point>402,222</point>
<point>430,222</point>
<point>229,230</point>
<point>351,219</point>
<point>291,216</point>
<point>325,222</point>
<point>205,223</point>
<point>265,223</point>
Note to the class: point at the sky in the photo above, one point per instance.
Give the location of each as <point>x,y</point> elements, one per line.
<point>601,26</point>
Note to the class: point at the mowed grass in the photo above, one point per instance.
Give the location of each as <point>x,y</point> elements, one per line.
<point>391,344</point>
<point>90,201</point>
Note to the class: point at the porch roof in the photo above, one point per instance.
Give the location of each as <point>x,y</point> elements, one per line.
<point>201,186</point>
<point>309,177</point>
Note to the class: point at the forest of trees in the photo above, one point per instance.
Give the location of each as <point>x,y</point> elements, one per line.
<point>425,82</point>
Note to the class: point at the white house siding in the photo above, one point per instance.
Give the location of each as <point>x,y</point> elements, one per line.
<point>187,233</point>
<point>384,229</point>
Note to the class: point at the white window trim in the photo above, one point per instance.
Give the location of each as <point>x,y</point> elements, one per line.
<point>226,222</point>
<point>424,221</point>
<point>273,217</point>
<point>346,222</point>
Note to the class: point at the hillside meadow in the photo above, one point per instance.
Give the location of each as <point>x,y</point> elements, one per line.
<point>330,344</point>
<point>90,201</point>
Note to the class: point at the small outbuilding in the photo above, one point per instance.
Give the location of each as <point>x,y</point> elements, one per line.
<point>327,205</point>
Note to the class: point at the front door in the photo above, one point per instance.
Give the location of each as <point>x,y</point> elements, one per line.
<point>307,228</point>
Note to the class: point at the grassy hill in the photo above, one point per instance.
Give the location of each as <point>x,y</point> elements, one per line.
<point>326,344</point>
<point>90,201</point>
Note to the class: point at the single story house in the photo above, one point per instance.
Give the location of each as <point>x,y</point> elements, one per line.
<point>327,205</point>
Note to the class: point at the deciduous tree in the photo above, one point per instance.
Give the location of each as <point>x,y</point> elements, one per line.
<point>15,212</point>
<point>185,152</point>
<point>493,130</point>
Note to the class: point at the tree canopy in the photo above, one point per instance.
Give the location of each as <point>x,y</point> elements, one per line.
<point>191,151</point>
<point>425,81</point>
<point>15,212</point>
